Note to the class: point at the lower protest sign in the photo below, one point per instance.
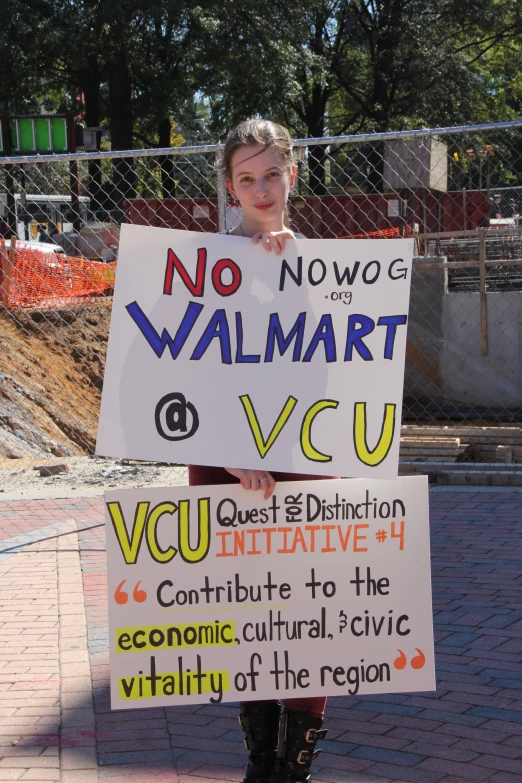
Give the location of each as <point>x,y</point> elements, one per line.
<point>217,595</point>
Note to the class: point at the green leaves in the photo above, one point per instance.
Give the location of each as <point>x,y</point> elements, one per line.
<point>318,66</point>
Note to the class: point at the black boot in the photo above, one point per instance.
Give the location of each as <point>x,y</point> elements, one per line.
<point>260,722</point>
<point>298,734</point>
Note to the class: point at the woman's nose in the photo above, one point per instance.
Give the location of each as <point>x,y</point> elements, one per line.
<point>261,188</point>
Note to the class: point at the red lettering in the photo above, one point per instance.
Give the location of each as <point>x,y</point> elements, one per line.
<point>220,266</point>
<point>173,262</point>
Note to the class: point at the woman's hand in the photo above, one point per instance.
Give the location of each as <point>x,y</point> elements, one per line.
<point>273,240</point>
<point>254,479</point>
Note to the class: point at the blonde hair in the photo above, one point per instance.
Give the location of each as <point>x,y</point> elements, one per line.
<point>258,131</point>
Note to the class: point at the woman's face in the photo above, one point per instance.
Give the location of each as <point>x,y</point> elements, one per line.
<point>260,181</point>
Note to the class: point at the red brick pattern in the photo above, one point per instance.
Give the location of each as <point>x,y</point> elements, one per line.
<point>55,719</point>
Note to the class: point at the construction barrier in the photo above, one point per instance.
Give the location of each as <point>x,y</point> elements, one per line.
<point>35,278</point>
<point>384,233</point>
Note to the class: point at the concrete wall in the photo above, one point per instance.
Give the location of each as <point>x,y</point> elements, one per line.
<point>496,379</point>
<point>444,362</point>
<point>422,381</point>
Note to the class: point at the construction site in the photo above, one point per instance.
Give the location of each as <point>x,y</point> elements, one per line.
<point>60,721</point>
<point>462,408</point>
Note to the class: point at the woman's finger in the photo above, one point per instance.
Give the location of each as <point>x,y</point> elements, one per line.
<point>274,243</point>
<point>237,472</point>
<point>269,484</point>
<point>281,240</point>
<point>254,479</point>
<point>263,480</point>
<point>273,240</point>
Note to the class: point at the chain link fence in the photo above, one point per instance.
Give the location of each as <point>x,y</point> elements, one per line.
<point>456,191</point>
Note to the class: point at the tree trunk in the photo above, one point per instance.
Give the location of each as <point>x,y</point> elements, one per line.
<point>316,168</point>
<point>120,95</point>
<point>384,83</point>
<point>375,162</point>
<point>91,94</point>
<point>168,181</point>
<point>315,117</point>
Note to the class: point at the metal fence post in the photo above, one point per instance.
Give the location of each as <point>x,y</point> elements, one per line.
<point>221,193</point>
<point>73,175</point>
<point>9,179</point>
<point>483,312</point>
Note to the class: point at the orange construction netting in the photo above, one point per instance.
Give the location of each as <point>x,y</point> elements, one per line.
<point>34,278</point>
<point>384,233</point>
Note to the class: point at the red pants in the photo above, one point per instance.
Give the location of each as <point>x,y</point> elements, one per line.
<point>204,474</point>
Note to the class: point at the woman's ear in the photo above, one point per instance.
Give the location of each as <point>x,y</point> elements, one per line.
<point>228,183</point>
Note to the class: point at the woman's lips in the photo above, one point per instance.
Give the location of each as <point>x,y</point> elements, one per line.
<point>264,206</point>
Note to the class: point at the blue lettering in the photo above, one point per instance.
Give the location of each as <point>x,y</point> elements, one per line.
<point>275,332</point>
<point>324,333</point>
<point>391,322</point>
<point>241,358</point>
<point>157,343</point>
<point>217,328</point>
<point>354,337</point>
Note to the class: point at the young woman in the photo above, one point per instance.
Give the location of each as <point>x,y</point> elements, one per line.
<point>259,171</point>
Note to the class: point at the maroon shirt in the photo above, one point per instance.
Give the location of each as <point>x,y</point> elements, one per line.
<point>205,474</point>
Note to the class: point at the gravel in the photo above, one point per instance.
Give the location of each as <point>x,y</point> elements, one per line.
<point>86,476</point>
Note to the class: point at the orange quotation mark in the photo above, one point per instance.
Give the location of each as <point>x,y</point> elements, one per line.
<point>417,662</point>
<point>121,596</point>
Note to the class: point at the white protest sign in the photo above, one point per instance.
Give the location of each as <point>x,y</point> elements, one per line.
<point>222,354</point>
<point>217,595</point>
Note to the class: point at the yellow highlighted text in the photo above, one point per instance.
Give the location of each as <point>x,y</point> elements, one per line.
<point>166,637</point>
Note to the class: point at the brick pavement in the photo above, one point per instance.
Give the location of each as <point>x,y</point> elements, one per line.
<point>55,719</point>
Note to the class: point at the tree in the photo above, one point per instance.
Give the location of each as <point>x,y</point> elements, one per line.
<point>321,67</point>
<point>133,62</point>
<point>165,74</point>
<point>351,65</point>
<point>20,61</point>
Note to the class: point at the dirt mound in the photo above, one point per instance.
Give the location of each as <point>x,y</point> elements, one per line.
<point>51,375</point>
